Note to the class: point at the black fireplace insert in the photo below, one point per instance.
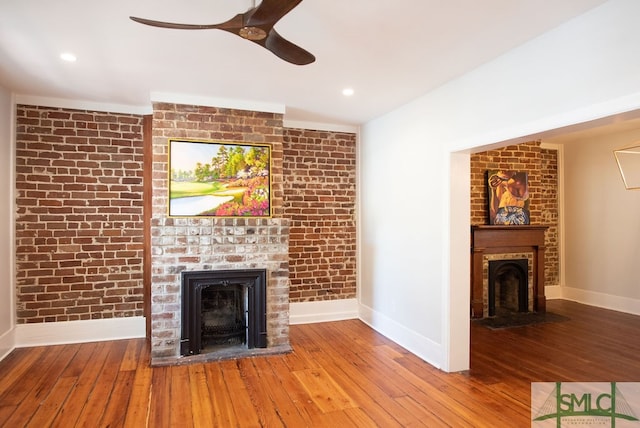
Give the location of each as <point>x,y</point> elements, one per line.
<point>508,286</point>
<point>223,308</point>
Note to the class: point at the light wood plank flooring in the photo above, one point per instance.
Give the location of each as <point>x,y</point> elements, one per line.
<point>340,374</point>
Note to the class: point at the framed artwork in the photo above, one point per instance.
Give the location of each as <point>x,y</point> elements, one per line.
<point>508,197</point>
<point>219,179</point>
<point>629,165</point>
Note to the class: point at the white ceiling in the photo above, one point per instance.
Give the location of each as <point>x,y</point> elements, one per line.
<point>389,52</point>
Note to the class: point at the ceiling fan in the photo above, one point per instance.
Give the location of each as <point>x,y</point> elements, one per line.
<point>255,25</point>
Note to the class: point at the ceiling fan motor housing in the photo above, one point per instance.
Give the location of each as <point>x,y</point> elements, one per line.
<point>252,33</point>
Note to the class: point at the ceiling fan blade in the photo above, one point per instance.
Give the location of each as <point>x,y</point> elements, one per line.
<point>269,12</point>
<point>235,22</point>
<point>255,25</point>
<point>286,50</point>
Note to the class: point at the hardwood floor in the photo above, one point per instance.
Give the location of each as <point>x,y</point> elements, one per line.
<point>339,374</point>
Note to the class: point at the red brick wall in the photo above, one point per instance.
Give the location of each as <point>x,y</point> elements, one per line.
<point>79,236</point>
<point>523,157</point>
<point>541,164</point>
<point>319,198</point>
<point>218,124</point>
<point>79,199</point>
<point>549,206</point>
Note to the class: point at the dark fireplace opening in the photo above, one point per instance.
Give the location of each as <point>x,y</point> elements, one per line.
<point>224,317</point>
<point>508,286</point>
<point>223,309</point>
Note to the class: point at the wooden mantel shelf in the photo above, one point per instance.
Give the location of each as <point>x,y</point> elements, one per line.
<point>507,236</point>
<point>509,227</point>
<point>506,239</point>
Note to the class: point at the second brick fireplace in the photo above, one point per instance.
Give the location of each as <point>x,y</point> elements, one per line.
<point>507,243</point>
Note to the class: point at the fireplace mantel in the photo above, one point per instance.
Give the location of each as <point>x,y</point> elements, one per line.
<point>506,239</point>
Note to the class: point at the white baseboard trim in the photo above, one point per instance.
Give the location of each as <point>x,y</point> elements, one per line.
<point>57,333</point>
<point>602,300</point>
<point>553,292</point>
<point>7,343</point>
<point>421,346</point>
<point>322,311</point>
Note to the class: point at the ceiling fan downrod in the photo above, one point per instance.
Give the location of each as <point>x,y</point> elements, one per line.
<point>251,32</point>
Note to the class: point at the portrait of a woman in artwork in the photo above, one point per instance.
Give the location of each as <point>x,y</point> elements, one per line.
<point>508,197</point>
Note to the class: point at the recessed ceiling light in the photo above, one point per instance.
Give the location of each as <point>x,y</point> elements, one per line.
<point>347,92</point>
<point>69,57</point>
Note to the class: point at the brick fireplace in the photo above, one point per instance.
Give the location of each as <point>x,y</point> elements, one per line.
<point>193,244</point>
<point>507,243</point>
<point>541,251</point>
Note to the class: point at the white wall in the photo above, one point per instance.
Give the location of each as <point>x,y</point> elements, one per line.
<point>6,223</point>
<point>413,271</point>
<point>601,224</point>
